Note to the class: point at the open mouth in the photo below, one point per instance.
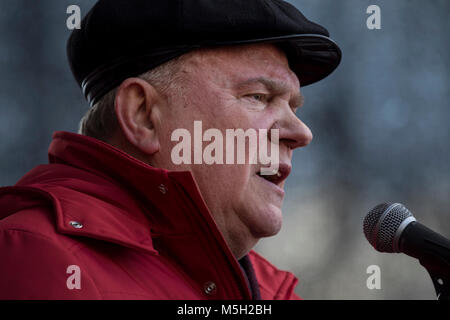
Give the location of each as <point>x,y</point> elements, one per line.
<point>278,176</point>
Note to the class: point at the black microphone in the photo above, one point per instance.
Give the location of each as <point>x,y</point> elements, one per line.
<point>390,227</point>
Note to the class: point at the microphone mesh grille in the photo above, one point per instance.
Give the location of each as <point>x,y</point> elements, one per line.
<point>371,219</point>
<point>382,238</point>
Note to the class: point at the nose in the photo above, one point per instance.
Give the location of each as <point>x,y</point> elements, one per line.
<point>292,131</point>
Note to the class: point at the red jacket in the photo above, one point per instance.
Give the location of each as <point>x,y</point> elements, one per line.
<point>134,232</point>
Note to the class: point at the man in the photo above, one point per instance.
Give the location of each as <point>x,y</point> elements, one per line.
<point>113,216</point>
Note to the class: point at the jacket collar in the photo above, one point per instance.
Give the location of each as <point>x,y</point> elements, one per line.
<point>112,164</point>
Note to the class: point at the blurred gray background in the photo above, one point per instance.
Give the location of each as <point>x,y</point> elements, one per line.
<point>380,125</point>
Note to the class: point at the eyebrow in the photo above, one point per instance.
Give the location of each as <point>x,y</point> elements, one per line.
<point>275,86</point>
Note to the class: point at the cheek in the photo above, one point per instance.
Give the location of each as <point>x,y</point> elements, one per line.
<point>232,180</point>
<point>233,177</point>
<point>222,186</point>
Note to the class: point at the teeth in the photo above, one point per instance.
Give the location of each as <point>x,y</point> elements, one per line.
<point>274,173</point>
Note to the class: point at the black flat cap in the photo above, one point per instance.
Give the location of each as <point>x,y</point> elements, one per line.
<point>119,39</point>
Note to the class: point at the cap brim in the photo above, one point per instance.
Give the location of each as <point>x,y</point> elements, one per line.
<point>312,57</point>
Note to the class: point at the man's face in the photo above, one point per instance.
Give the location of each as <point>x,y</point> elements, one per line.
<point>229,88</point>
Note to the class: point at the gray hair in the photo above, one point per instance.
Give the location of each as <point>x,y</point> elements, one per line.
<point>100,120</point>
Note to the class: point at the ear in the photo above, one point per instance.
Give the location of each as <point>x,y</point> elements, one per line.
<point>135,101</point>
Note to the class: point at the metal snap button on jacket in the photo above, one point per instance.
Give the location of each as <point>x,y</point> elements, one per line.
<point>162,188</point>
<point>76,224</point>
<point>210,288</point>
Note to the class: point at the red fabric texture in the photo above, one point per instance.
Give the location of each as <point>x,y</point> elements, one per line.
<point>146,233</point>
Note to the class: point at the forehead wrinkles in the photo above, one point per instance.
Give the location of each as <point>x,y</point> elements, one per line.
<point>241,61</point>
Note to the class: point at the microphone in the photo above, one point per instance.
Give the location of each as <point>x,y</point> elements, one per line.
<point>390,227</point>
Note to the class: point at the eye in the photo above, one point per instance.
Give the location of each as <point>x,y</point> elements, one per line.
<point>260,97</point>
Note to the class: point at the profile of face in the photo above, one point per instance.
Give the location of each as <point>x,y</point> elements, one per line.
<point>246,87</point>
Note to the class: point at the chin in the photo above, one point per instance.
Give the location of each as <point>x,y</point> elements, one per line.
<point>267,222</point>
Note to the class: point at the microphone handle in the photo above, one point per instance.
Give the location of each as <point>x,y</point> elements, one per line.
<point>423,243</point>
<point>433,252</point>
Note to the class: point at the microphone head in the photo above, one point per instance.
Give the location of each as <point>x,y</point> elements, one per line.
<point>384,224</point>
